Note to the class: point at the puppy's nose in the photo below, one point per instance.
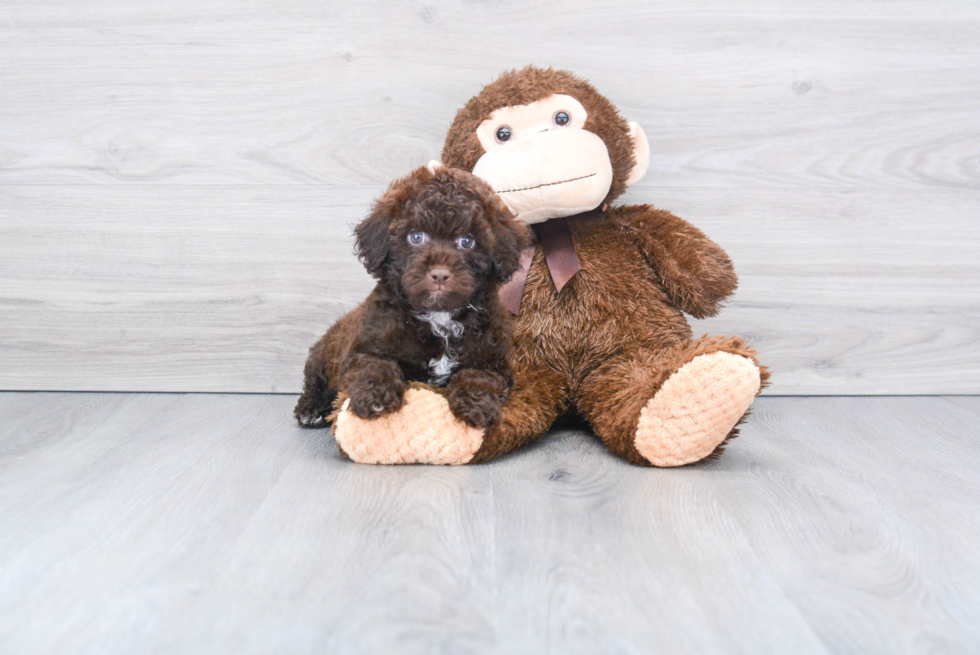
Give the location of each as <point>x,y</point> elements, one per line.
<point>439,275</point>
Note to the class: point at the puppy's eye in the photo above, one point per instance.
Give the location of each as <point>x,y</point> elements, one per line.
<point>503,133</point>
<point>417,238</point>
<point>562,118</point>
<point>466,242</point>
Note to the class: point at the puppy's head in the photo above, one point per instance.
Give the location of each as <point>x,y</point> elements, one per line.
<point>441,238</point>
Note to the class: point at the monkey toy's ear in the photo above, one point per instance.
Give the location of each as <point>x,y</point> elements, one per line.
<point>373,240</point>
<point>641,154</point>
<point>511,236</point>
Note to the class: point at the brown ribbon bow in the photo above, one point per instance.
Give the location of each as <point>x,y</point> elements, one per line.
<point>559,253</point>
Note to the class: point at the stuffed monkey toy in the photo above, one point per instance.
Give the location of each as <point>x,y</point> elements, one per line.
<point>599,302</point>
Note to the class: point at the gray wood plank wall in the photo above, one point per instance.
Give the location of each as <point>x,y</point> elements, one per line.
<point>178,180</point>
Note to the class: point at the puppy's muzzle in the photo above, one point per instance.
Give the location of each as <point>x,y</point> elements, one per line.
<point>440,276</point>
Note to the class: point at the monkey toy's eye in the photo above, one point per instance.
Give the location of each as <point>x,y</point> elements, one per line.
<point>503,133</point>
<point>417,238</point>
<point>466,242</point>
<point>562,118</point>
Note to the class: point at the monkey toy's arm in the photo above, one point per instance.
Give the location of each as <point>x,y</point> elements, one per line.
<point>695,272</point>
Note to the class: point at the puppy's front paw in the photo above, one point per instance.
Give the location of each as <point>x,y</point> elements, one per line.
<point>477,410</point>
<point>312,410</point>
<point>312,419</point>
<point>476,397</point>
<point>371,398</point>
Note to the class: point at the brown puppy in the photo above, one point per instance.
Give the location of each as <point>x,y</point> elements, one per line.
<point>440,243</point>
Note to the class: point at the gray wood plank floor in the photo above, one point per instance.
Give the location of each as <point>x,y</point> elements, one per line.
<point>163,523</point>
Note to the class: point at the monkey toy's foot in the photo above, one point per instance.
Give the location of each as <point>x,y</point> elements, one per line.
<point>696,409</point>
<point>423,431</point>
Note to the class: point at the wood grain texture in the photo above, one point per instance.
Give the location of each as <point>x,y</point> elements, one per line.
<point>820,94</point>
<point>210,523</point>
<point>177,180</point>
<point>214,288</point>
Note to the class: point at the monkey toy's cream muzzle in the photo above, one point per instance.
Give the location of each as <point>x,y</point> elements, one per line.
<point>549,175</point>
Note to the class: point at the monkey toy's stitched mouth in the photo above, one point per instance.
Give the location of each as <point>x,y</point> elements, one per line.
<point>531,188</point>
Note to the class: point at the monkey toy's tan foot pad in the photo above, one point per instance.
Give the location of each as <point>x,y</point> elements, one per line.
<point>696,408</point>
<point>423,431</point>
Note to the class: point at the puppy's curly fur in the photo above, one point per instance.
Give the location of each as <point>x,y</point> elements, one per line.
<point>440,243</point>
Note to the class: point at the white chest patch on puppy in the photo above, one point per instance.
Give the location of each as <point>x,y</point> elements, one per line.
<point>446,327</point>
<point>442,323</point>
<point>441,369</point>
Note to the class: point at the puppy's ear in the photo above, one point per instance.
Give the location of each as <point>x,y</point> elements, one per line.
<point>373,242</point>
<point>373,235</point>
<point>511,236</point>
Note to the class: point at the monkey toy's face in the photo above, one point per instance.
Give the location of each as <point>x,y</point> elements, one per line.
<point>548,144</point>
<point>541,162</point>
